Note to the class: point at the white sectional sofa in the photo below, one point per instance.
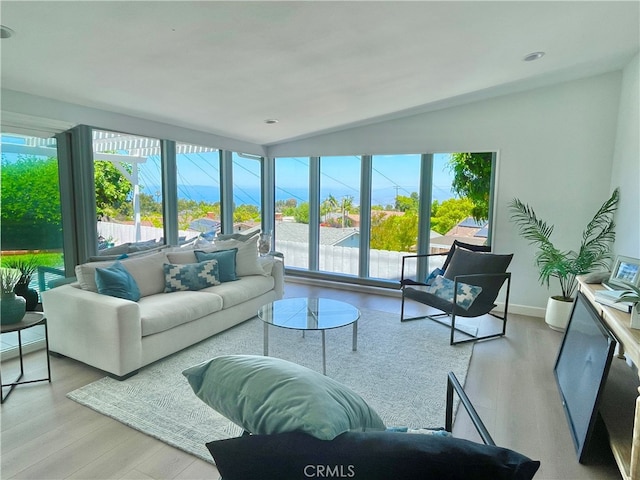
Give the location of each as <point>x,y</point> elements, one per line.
<point>120,336</point>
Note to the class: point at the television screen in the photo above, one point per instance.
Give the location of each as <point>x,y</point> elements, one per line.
<point>581,370</point>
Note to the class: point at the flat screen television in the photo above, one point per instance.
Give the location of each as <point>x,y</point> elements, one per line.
<point>581,370</point>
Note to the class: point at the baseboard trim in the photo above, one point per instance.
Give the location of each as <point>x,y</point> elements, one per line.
<point>30,347</point>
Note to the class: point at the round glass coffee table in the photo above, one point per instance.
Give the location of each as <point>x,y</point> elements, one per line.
<point>309,314</point>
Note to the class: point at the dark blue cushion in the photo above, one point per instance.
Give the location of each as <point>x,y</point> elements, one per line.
<point>116,281</point>
<point>226,262</point>
<point>366,455</point>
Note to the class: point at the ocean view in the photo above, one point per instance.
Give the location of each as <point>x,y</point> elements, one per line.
<point>251,195</point>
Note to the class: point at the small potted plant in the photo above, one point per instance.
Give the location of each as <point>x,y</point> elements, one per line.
<point>632,295</point>
<point>27,267</point>
<point>12,307</point>
<point>593,253</point>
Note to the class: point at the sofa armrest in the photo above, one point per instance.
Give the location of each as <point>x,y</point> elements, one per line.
<point>99,330</point>
<point>278,275</point>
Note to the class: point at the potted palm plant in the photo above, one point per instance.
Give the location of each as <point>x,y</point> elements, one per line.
<point>12,308</point>
<point>593,253</point>
<point>27,267</point>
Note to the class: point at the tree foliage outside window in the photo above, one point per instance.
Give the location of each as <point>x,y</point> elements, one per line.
<point>113,191</point>
<point>30,213</point>
<point>449,213</point>
<point>472,180</point>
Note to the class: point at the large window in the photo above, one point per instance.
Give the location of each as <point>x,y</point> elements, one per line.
<point>247,193</point>
<point>31,215</point>
<point>414,203</point>
<point>349,218</point>
<point>128,186</point>
<point>292,210</point>
<point>395,205</point>
<point>198,184</point>
<point>339,214</point>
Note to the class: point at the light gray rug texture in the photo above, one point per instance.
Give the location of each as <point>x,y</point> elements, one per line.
<point>400,369</point>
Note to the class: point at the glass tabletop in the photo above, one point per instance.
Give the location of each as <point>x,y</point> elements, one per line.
<point>309,313</point>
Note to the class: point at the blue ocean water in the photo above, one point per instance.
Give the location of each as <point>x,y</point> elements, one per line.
<point>251,195</point>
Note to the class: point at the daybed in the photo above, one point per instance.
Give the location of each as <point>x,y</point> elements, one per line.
<point>120,335</point>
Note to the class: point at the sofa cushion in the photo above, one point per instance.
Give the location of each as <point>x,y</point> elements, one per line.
<point>366,455</point>
<point>182,256</point>
<point>266,395</point>
<point>247,256</point>
<point>244,289</point>
<point>191,276</point>
<point>147,270</point>
<point>116,281</point>
<point>167,310</point>
<point>226,262</point>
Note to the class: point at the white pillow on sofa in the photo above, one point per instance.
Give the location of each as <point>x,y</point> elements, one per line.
<point>247,257</point>
<point>147,271</point>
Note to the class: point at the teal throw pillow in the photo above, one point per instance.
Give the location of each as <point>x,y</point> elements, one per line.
<point>190,276</point>
<point>226,262</point>
<point>443,288</point>
<point>116,281</point>
<point>266,395</point>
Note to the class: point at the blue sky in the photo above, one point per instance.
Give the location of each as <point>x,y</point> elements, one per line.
<point>392,175</point>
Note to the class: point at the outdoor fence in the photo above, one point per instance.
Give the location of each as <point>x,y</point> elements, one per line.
<point>383,264</point>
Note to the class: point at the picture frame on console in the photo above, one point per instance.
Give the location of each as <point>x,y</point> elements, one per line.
<point>625,271</point>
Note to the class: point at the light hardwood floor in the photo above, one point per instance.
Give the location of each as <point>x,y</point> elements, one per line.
<point>510,381</point>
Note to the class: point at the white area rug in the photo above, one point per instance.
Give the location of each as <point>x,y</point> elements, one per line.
<point>399,368</point>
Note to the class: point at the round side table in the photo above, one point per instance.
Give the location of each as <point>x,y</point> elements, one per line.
<point>31,319</point>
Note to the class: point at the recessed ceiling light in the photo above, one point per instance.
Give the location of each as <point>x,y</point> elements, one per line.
<point>533,56</point>
<point>6,32</point>
<point>271,121</point>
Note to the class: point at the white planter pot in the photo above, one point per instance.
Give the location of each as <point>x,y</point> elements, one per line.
<point>557,314</point>
<point>635,316</point>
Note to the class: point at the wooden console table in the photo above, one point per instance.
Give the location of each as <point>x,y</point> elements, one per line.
<point>620,408</point>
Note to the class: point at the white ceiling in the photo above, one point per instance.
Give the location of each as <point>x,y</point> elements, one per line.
<point>225,67</point>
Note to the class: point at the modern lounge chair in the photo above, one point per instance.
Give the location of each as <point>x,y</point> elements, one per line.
<point>455,293</point>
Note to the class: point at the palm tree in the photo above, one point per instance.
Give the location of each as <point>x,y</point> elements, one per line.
<point>328,205</point>
<point>346,205</point>
<point>594,251</point>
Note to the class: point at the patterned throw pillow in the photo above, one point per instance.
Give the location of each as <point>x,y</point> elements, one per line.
<point>443,288</point>
<point>191,276</point>
<point>432,276</point>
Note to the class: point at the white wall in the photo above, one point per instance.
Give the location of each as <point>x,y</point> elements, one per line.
<point>555,145</point>
<point>626,163</point>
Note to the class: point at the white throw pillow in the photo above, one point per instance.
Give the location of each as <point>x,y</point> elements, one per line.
<point>182,257</point>
<point>247,256</point>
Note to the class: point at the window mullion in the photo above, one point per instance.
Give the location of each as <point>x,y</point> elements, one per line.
<point>314,213</point>
<point>366,164</point>
<point>169,191</point>
<point>424,219</point>
<point>226,191</point>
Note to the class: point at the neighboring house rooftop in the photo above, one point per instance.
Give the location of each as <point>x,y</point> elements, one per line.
<point>299,232</point>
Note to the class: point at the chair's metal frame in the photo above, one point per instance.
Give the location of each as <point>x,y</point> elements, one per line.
<point>455,309</point>
<point>454,386</point>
